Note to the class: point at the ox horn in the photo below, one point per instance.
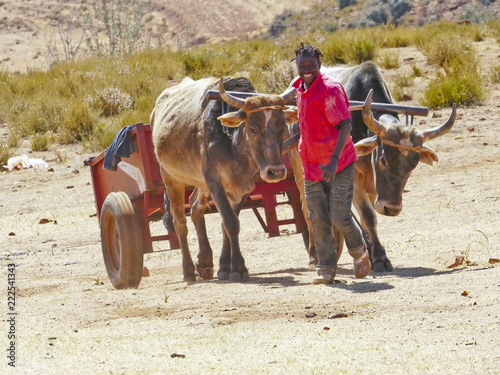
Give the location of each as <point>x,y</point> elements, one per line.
<point>440,130</point>
<point>370,121</point>
<point>228,98</point>
<point>289,94</point>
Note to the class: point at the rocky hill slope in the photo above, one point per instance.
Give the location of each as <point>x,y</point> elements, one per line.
<point>33,33</point>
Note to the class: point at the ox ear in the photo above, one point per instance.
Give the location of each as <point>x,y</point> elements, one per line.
<point>428,156</point>
<point>290,115</point>
<point>366,145</point>
<point>232,119</point>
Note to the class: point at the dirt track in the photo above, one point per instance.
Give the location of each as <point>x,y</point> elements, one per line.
<point>424,318</point>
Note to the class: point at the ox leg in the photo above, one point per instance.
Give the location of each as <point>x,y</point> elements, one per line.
<point>308,238</point>
<point>198,202</point>
<point>176,192</point>
<point>378,256</point>
<point>368,216</point>
<point>231,263</point>
<point>363,184</point>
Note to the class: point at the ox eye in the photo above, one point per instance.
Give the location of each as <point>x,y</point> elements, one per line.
<point>253,130</point>
<point>383,161</point>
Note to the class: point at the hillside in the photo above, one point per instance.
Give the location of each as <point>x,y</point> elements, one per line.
<point>31,32</point>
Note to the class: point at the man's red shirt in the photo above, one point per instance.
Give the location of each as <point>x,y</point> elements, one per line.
<point>320,108</point>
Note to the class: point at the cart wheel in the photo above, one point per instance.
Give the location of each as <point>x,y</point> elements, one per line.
<point>121,241</point>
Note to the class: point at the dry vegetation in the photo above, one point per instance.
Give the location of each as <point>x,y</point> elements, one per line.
<point>424,318</point>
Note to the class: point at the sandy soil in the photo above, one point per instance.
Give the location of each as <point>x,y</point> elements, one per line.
<point>424,318</point>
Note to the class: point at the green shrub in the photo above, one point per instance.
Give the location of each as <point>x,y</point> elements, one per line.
<point>78,123</point>
<point>352,46</point>
<point>89,100</point>
<point>110,101</point>
<point>391,36</point>
<point>40,115</point>
<point>104,133</point>
<point>404,80</point>
<point>416,71</point>
<point>389,60</point>
<point>462,88</point>
<point>196,63</point>
<point>40,142</point>
<point>361,50</point>
<point>5,154</point>
<point>447,48</point>
<point>495,74</point>
<point>273,80</point>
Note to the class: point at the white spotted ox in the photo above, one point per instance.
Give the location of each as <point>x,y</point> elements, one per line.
<point>389,151</point>
<point>193,149</point>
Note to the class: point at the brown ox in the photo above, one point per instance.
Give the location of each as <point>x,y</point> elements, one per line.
<point>192,149</point>
<point>388,150</point>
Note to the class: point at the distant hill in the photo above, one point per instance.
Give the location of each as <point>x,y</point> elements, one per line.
<point>33,33</point>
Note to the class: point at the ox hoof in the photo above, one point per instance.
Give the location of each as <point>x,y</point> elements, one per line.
<point>239,278</point>
<point>312,265</point>
<point>206,273</point>
<point>190,278</point>
<point>194,277</point>
<point>382,266</point>
<point>223,275</point>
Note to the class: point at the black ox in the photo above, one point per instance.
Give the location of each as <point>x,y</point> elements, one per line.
<point>388,151</point>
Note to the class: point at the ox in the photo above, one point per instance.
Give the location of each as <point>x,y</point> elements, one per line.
<point>192,149</point>
<point>388,153</point>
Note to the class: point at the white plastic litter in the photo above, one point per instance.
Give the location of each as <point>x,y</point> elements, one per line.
<point>24,162</point>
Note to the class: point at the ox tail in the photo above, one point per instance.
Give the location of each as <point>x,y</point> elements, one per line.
<point>152,118</point>
<point>167,218</point>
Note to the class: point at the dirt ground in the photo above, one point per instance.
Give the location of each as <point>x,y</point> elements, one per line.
<point>424,318</point>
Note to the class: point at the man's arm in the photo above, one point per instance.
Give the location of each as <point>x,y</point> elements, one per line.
<point>330,169</point>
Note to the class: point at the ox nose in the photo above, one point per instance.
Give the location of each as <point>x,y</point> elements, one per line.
<point>388,209</point>
<point>274,173</point>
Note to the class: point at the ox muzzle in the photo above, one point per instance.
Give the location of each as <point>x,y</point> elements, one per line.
<point>273,173</point>
<point>388,208</point>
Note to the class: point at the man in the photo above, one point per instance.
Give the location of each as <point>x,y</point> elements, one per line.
<point>328,153</point>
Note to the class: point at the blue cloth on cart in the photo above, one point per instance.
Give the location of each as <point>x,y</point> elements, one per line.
<point>122,147</point>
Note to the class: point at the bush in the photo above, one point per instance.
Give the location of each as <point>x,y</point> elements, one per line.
<point>404,80</point>
<point>495,74</point>
<point>462,88</point>
<point>273,80</point>
<point>360,50</point>
<point>110,101</point>
<point>40,142</point>
<point>77,124</point>
<point>389,60</point>
<point>353,46</point>
<point>5,154</point>
<point>416,71</point>
<point>104,133</point>
<point>441,50</point>
<point>114,27</point>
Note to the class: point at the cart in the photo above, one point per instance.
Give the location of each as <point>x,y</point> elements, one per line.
<point>129,199</point>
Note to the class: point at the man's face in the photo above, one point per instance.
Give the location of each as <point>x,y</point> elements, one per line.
<point>308,67</point>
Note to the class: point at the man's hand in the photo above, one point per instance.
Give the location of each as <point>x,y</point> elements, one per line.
<point>330,170</point>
